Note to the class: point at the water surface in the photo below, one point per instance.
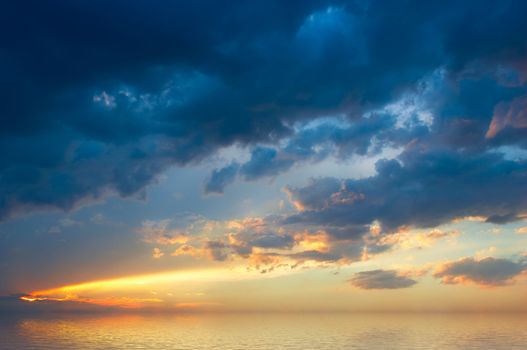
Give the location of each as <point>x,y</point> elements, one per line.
<point>267,331</point>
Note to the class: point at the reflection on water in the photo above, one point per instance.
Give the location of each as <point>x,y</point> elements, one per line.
<point>264,331</point>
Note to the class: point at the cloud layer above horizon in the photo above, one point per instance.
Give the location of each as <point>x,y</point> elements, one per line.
<point>382,124</point>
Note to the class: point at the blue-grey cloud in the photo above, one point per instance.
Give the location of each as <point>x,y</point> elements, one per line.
<point>419,189</point>
<point>381,279</point>
<point>221,178</point>
<point>272,241</point>
<point>264,162</point>
<point>503,219</point>
<point>315,143</point>
<point>486,272</point>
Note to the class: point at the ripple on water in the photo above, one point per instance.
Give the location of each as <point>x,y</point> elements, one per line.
<point>267,331</point>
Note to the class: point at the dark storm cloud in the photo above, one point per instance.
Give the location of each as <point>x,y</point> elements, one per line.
<point>114,75</point>
<point>381,279</point>
<point>101,98</point>
<point>487,272</point>
<point>420,189</point>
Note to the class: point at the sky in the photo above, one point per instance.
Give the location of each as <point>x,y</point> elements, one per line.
<point>263,156</point>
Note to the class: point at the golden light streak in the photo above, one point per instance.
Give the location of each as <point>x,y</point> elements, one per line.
<point>133,284</point>
<point>31,299</point>
<point>469,218</point>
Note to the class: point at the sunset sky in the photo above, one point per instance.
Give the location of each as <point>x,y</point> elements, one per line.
<point>263,156</point>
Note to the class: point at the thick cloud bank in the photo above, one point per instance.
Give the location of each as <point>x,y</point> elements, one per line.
<point>101,98</point>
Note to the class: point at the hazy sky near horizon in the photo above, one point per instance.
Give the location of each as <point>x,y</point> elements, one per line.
<point>314,155</point>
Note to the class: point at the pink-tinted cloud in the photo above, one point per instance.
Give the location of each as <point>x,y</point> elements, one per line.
<point>508,114</point>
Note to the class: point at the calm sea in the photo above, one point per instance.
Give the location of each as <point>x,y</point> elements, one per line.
<point>258,331</point>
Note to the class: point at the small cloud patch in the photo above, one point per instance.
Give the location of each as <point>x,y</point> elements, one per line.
<point>381,279</point>
<point>487,272</point>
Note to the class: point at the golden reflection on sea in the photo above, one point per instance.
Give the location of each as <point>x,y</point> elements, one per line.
<point>267,331</point>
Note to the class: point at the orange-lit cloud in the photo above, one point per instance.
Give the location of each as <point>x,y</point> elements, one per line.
<point>297,204</point>
<point>255,223</point>
<point>186,249</point>
<point>318,241</point>
<point>406,239</point>
<point>263,243</point>
<point>159,233</point>
<point>157,253</point>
